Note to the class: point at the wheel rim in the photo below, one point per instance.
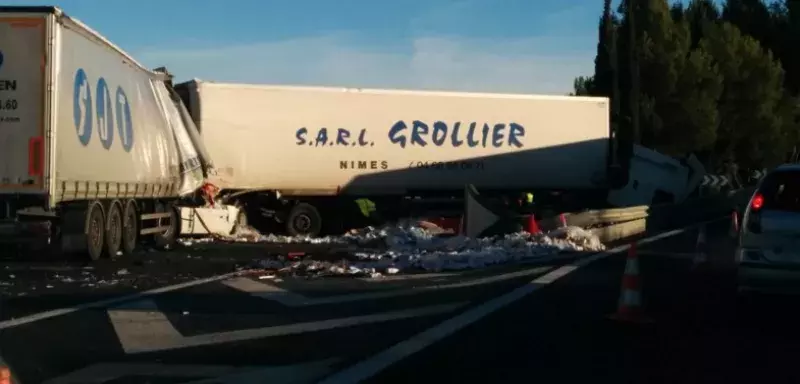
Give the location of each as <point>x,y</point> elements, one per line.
<point>302,223</point>
<point>129,226</point>
<point>95,229</point>
<point>115,228</point>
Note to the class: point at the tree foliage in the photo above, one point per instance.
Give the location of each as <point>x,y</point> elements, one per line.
<point>719,81</point>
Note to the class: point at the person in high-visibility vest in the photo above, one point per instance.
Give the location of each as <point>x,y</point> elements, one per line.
<point>526,201</point>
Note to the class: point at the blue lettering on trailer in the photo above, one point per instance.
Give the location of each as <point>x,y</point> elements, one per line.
<point>473,134</point>
<point>124,123</point>
<point>418,133</point>
<point>105,114</point>
<point>82,107</point>
<point>110,114</point>
<point>1,59</point>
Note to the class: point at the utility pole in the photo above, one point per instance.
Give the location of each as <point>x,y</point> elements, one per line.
<point>616,114</point>
<point>633,61</point>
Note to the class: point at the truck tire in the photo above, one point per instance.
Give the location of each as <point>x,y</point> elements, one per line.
<point>167,239</point>
<point>304,220</point>
<point>130,228</point>
<point>113,232</point>
<point>95,231</point>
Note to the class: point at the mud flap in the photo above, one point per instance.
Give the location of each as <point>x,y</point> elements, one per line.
<point>73,231</point>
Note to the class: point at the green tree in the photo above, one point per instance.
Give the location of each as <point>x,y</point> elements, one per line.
<point>716,81</point>
<point>582,86</point>
<point>753,18</point>
<point>755,114</point>
<point>603,84</point>
<point>696,118</point>
<point>700,14</point>
<point>787,16</point>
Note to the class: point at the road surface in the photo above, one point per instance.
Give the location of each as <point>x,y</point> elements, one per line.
<point>509,324</point>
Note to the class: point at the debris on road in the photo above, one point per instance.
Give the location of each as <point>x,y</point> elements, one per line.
<point>412,247</point>
<point>368,252</point>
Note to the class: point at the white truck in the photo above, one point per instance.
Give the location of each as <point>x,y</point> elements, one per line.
<point>95,153</point>
<point>299,154</point>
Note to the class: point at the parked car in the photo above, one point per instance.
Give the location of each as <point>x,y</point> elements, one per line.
<point>768,250</point>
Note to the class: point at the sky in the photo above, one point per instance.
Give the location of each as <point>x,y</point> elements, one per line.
<point>517,46</point>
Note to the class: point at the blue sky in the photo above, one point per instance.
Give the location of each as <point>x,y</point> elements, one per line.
<point>530,46</point>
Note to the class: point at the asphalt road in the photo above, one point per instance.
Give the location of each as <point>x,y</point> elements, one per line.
<point>293,330</point>
<point>699,332</point>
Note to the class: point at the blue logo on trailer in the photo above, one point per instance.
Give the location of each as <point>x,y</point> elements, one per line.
<point>105,114</point>
<point>82,107</point>
<point>124,123</point>
<point>1,59</point>
<point>110,114</point>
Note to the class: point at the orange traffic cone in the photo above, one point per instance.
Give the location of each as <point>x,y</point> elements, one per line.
<point>563,220</point>
<point>701,249</point>
<point>629,308</point>
<point>533,227</point>
<point>734,230</point>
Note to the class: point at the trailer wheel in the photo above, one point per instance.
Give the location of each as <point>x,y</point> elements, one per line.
<point>113,233</point>
<point>130,228</point>
<point>304,220</point>
<point>167,239</point>
<point>95,230</point>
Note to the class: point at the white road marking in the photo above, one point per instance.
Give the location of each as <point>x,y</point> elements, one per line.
<point>142,327</point>
<point>149,331</point>
<point>293,299</point>
<point>220,374</point>
<point>109,302</point>
<point>371,366</point>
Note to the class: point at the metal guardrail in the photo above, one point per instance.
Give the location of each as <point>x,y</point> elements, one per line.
<point>632,221</point>
<point>607,216</point>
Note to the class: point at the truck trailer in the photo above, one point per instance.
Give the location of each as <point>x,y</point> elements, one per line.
<point>95,153</point>
<point>297,155</point>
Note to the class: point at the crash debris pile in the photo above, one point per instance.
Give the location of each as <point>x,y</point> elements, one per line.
<point>409,247</point>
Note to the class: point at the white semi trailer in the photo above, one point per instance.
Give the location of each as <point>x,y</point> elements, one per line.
<point>94,152</point>
<point>297,154</point>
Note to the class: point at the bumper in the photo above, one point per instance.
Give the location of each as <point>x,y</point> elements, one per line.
<point>768,278</point>
<point>24,231</point>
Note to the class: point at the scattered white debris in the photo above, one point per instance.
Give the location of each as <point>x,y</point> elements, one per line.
<point>123,272</point>
<point>410,247</point>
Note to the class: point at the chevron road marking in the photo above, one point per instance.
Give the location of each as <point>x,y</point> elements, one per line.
<point>146,330</point>
<point>292,299</point>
